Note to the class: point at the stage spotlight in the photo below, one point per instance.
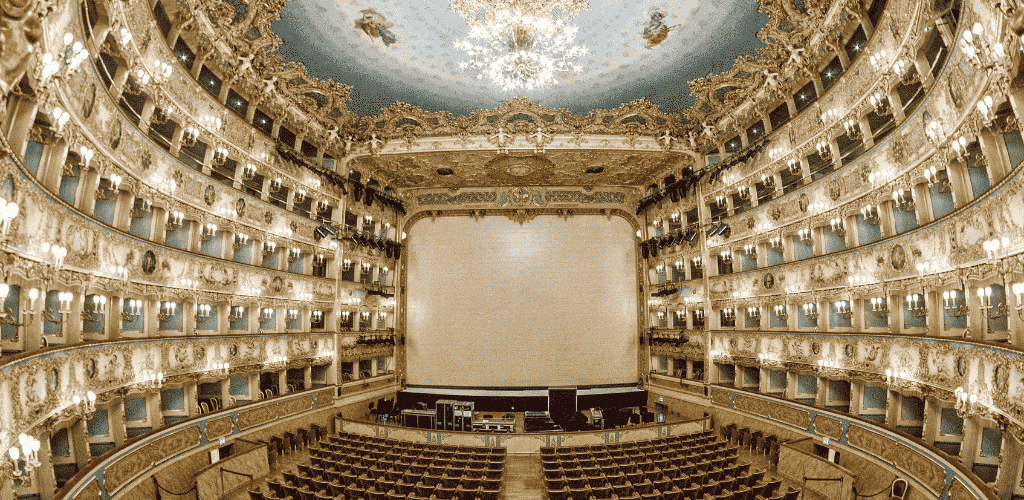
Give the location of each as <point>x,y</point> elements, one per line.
<point>712,229</point>
<point>690,235</point>
<point>645,251</point>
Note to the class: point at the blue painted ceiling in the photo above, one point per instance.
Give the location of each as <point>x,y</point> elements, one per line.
<point>422,66</point>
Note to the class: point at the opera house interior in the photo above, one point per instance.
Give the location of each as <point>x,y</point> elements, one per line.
<point>511,249</point>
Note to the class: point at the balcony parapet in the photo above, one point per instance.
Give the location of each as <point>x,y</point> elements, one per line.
<point>989,371</point>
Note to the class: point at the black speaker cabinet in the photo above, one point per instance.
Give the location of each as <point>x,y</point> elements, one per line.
<point>562,400</point>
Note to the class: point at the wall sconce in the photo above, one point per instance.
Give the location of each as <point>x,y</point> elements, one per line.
<point>770,359</point>
<point>811,311</point>
<point>697,264</point>
<point>949,303</point>
<point>345,315</point>
<point>880,104</point>
<point>63,67</point>
<point>269,248</point>
<point>190,135</point>
<point>744,192</point>
<point>780,312</point>
<point>248,171</point>
<point>995,247</point>
<point>65,299</point>
<point>237,313</point>
<point>870,214</point>
<point>728,314</point>
<point>934,132</point>
<point>93,308</point>
<point>721,202</point>
<point>300,195</point>
<point>133,311</point>
<point>167,310</point>
<point>294,254</point>
<point>726,257</point>
<point>750,250</point>
<point>931,175</point>
<point>175,218</point>
<point>973,40</point>
<point>966,405</point>
<point>276,362</point>
<point>60,117</point>
<point>346,264</point>
<point>660,268</point>
<point>987,108</point>
<point>754,312</point>
<point>959,147</point>
<point>367,221</point>
<point>879,305</point>
<point>162,112</point>
<point>853,130</point>
<point>150,380</point>
<point>218,369</point>
<point>293,314</point>
<point>915,305</point>
<point>203,311</point>
<point>767,180</point>
<point>902,68</point>
<point>141,208</point>
<point>994,311</point>
<point>794,166</point>
<point>318,316</point>
<point>904,200</point>
<point>25,459</point>
<point>85,405</point>
<point>830,369</point>
<point>275,185</point>
<point>266,314</point>
<point>838,228</point>
<point>827,116</point>
<point>805,236</point>
<point>241,240</point>
<point>880,61</point>
<point>220,156</point>
<point>843,309</point>
<point>775,243</point>
<point>207,231</point>
<point>678,265</point>
<point>824,150</point>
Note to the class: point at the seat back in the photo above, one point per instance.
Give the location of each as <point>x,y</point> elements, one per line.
<point>898,489</point>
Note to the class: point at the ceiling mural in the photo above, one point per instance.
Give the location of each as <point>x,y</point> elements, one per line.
<point>405,51</point>
<point>552,168</point>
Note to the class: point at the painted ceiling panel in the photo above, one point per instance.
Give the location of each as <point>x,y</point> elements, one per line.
<point>421,65</point>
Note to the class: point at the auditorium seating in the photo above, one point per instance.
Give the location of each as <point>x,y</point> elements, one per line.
<point>691,467</point>
<point>353,467</point>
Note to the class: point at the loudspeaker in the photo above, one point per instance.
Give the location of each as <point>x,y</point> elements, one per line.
<point>562,400</point>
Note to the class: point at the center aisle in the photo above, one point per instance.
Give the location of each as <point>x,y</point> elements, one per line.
<point>524,477</point>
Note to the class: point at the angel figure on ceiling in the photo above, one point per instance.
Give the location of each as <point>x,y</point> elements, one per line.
<point>376,26</point>
<point>656,30</point>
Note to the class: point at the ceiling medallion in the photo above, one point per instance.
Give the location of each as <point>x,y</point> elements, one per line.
<point>520,44</point>
<point>514,169</point>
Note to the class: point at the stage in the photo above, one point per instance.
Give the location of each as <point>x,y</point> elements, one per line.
<point>522,400</point>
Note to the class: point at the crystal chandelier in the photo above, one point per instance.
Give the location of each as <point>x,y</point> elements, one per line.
<point>520,43</point>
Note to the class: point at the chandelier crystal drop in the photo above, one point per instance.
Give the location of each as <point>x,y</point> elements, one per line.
<point>520,44</point>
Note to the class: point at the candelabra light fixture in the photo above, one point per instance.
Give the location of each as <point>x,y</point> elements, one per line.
<point>775,243</point>
<point>989,308</point>
<point>269,248</point>
<point>168,310</point>
<point>728,314</point>
<point>959,147</point>
<point>916,305</point>
<point>150,380</point>
<point>768,180</point>
<point>843,309</point>
<point>726,257</point>
<point>697,263</point>
<point>794,166</point>
<point>74,54</point>
<point>968,404</point>
<point>207,231</point>
<point>220,156</point>
<point>750,250</point>
<point>275,185</point>
<point>880,104</point>
<point>831,369</point>
<point>248,172</point>
<point>900,379</point>
<point>203,311</point>
<point>804,235</point>
<point>24,458</point>
<point>754,313</point>
<point>190,135</point>
<point>986,106</point>
<point>996,247</point>
<point>94,308</point>
<point>218,369</point>
<point>981,54</point>
<point>824,150</point>
<point>718,356</point>
<point>744,192</point>
<point>293,314</point>
<point>954,303</point>
<point>276,362</point>
<point>852,129</point>
<point>780,312</point>
<point>64,299</point>
<point>132,310</point>
<point>175,219</point>
<point>241,240</point>
<point>237,313</point>
<point>85,405</point>
<point>907,73</point>
<point>294,254</point>
<point>266,314</point>
<point>935,182</point>
<point>770,360</point>
<point>811,311</point>
<point>904,200</point>
<point>934,132</point>
<point>838,228</point>
<point>870,214</point>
